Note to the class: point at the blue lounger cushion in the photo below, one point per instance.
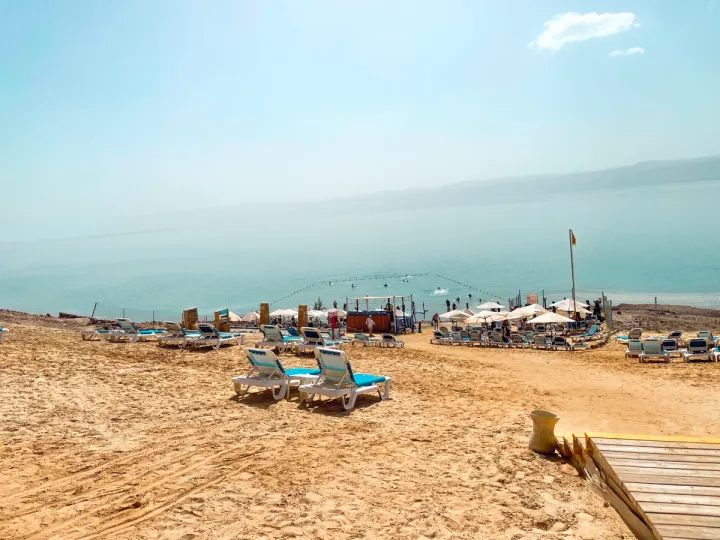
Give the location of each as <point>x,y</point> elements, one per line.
<point>150,332</point>
<point>226,335</point>
<point>301,371</point>
<point>364,379</point>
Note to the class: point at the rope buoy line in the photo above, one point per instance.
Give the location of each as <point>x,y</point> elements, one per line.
<point>487,293</point>
<point>384,276</point>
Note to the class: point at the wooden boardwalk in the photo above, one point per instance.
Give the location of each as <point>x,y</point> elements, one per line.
<point>664,487</point>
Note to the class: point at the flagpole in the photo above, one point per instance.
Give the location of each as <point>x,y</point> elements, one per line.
<point>572,273</point>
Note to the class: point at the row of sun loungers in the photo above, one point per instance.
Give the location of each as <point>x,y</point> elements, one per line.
<point>311,338</point>
<point>333,377</point>
<point>205,336</point>
<point>495,339</point>
<point>662,349</point>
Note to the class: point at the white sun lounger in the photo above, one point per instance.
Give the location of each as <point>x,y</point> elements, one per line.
<point>3,333</point>
<point>365,341</point>
<point>388,340</point>
<point>635,333</point>
<point>273,338</point>
<point>312,338</point>
<point>210,337</point>
<point>91,333</point>
<point>697,349</point>
<point>540,341</point>
<point>266,371</point>
<point>128,331</point>
<point>337,379</point>
<point>177,335</point>
<point>652,350</point>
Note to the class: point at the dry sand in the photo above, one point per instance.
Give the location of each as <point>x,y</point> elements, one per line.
<point>123,441</point>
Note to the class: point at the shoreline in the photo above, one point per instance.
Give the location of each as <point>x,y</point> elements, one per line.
<point>625,316</point>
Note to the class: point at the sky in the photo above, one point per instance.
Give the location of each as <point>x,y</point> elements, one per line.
<point>114,109</point>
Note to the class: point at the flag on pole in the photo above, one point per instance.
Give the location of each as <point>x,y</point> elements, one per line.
<point>572,238</point>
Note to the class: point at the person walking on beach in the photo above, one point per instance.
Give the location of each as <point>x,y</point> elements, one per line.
<point>370,324</point>
<point>436,322</point>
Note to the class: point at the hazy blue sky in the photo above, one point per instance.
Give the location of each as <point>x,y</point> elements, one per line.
<point>110,108</point>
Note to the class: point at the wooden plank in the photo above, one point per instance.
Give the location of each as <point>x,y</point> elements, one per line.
<point>675,498</point>
<point>670,489</point>
<point>658,450</point>
<point>654,438</point>
<point>685,509</point>
<point>677,519</point>
<point>651,463</point>
<point>688,532</point>
<point>670,480</point>
<point>654,471</point>
<point>661,457</point>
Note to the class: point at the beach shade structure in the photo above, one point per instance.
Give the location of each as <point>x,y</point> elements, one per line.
<point>454,315</point>
<point>486,317</point>
<point>339,313</point>
<point>526,311</point>
<point>250,317</point>
<point>567,305</point>
<point>316,314</point>
<point>234,317</point>
<point>469,312</point>
<point>550,318</point>
<point>491,305</point>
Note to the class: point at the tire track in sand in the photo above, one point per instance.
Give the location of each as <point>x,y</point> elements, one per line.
<point>164,490</point>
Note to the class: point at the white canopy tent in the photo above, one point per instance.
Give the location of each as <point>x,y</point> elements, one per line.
<point>550,318</point>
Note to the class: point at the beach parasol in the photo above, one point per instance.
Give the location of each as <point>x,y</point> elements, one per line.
<point>526,311</point>
<point>250,317</point>
<point>490,305</point>
<point>454,315</point>
<point>567,305</point>
<point>316,313</point>
<point>485,317</point>
<point>233,317</point>
<point>339,313</point>
<point>549,318</point>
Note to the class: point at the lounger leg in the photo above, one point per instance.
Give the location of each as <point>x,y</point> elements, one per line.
<point>386,394</point>
<point>350,402</point>
<point>283,391</point>
<point>216,346</point>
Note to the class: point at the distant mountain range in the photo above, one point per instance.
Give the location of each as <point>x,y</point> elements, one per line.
<point>513,189</point>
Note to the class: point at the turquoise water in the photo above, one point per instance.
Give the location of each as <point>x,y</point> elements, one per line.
<point>633,243</point>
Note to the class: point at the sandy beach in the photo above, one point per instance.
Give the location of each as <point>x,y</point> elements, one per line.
<point>102,440</point>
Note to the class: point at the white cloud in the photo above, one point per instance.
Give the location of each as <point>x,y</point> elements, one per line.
<point>571,27</point>
<point>628,52</point>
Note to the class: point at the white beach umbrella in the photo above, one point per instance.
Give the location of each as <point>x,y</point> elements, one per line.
<point>567,305</point>
<point>250,316</point>
<point>316,313</point>
<point>549,318</point>
<point>234,317</point>
<point>338,312</point>
<point>454,315</point>
<point>526,311</point>
<point>277,313</point>
<point>490,305</point>
<point>482,317</point>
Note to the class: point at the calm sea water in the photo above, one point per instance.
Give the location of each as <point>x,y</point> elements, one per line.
<point>634,244</point>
